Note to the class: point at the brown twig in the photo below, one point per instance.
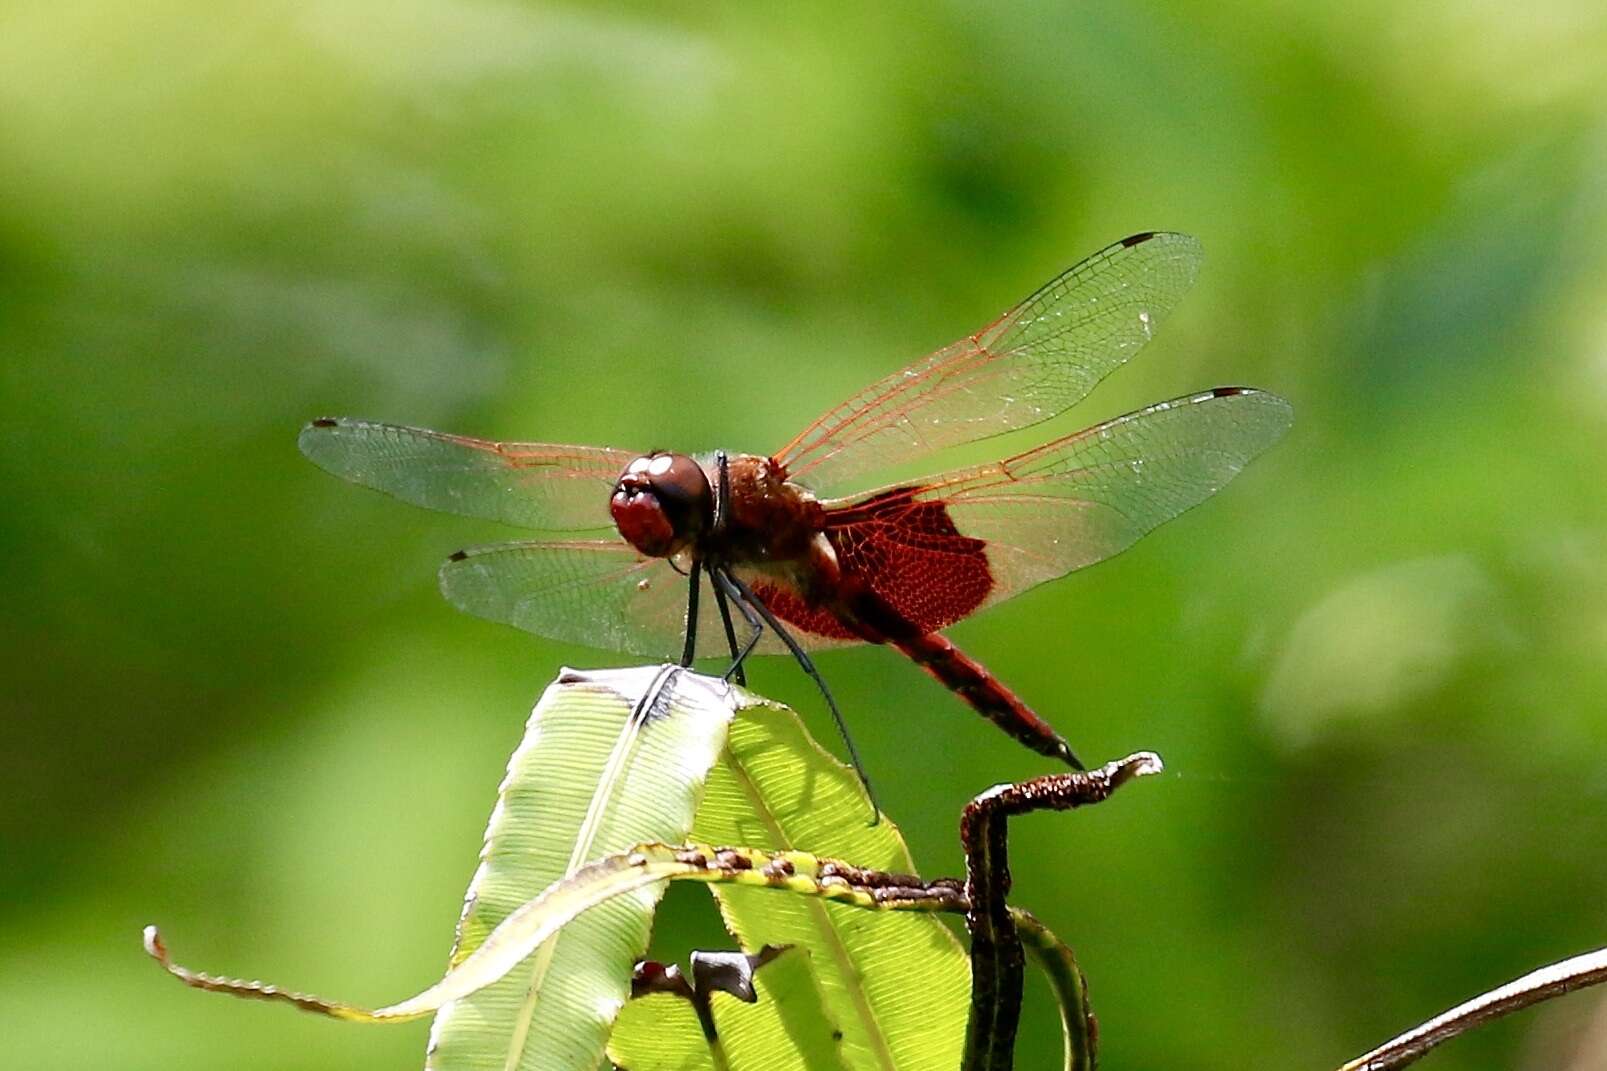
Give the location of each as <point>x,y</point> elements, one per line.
<point>1577,973</point>
<point>996,953</point>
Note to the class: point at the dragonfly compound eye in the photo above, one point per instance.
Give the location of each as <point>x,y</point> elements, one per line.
<point>661,503</point>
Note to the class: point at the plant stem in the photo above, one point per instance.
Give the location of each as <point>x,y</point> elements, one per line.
<point>1577,973</point>
<point>996,953</point>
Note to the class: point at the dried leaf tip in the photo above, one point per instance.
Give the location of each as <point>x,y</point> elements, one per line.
<point>1138,764</point>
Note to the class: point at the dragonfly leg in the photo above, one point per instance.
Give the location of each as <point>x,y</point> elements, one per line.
<point>736,672</point>
<point>725,585</point>
<point>694,582</point>
<point>743,596</point>
<point>721,509</point>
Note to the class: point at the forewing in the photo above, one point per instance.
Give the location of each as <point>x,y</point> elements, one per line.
<point>596,594</point>
<point>1064,505</point>
<point>532,485</point>
<point>1032,363</point>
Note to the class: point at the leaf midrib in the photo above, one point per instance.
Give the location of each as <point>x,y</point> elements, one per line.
<point>585,837</point>
<point>879,1044</point>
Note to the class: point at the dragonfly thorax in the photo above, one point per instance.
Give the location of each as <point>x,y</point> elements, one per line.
<point>662,503</point>
<point>768,518</point>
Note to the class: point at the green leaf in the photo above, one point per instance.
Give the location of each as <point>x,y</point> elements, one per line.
<point>787,1028</point>
<point>583,783</point>
<point>895,983</point>
<point>871,979</point>
<point>536,925</point>
<point>659,1032</point>
<point>783,1029</point>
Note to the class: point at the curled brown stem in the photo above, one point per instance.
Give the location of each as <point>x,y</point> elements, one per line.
<point>996,953</point>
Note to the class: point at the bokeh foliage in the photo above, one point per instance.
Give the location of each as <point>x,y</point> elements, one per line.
<point>1375,665</point>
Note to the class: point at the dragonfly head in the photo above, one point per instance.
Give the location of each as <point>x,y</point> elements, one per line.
<point>662,502</point>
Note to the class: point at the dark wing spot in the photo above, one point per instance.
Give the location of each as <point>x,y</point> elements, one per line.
<point>1228,392</point>
<point>1137,239</point>
<point>458,555</point>
<point>324,422</point>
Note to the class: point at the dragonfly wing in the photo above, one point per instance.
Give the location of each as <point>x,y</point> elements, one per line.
<point>1029,365</point>
<point>987,533</point>
<point>531,485</point>
<point>596,594</point>
<point>813,626</point>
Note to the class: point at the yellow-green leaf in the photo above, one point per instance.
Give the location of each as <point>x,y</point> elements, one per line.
<point>594,775</point>
<point>659,1032</point>
<point>895,983</point>
<point>786,1028</point>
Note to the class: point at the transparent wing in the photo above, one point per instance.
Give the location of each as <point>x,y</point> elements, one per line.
<point>597,594</point>
<point>987,533</point>
<point>531,485</point>
<point>1032,363</point>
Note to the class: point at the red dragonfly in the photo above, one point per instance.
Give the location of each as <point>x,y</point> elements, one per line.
<point>810,566</point>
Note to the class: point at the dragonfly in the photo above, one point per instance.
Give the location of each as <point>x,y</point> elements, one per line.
<point>808,562</point>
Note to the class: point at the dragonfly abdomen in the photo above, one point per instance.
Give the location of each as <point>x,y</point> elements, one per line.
<point>967,678</point>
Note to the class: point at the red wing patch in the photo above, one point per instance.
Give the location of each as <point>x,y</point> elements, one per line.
<point>792,608</point>
<point>910,554</point>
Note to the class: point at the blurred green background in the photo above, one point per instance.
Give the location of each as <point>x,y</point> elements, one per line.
<point>1376,664</point>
